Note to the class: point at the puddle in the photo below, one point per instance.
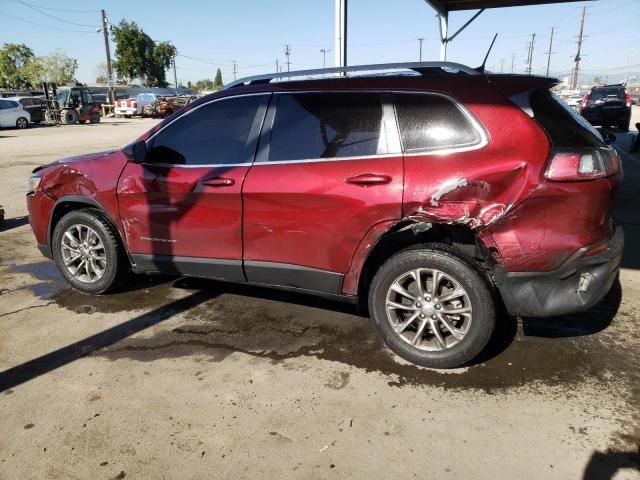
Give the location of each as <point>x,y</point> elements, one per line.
<point>254,321</point>
<point>144,291</point>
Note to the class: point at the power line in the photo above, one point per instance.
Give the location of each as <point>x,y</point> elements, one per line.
<point>68,10</point>
<point>36,9</point>
<point>47,26</point>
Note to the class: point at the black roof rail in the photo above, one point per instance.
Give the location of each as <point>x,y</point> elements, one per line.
<point>420,67</point>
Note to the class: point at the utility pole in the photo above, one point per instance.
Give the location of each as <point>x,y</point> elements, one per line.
<point>105,32</point>
<point>277,70</point>
<point>235,69</point>
<point>175,76</point>
<point>501,65</point>
<point>530,53</point>
<point>324,52</point>
<point>420,40</point>
<point>549,53</point>
<point>287,52</point>
<point>513,60</point>
<point>576,69</point>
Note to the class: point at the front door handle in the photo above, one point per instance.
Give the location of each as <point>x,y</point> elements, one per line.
<point>368,179</point>
<point>218,182</point>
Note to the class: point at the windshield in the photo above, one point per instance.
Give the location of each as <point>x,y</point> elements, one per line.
<point>146,97</point>
<point>62,97</point>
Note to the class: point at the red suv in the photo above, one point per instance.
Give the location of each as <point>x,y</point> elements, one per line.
<point>433,196</point>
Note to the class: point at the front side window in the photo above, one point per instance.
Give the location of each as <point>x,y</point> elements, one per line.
<point>87,98</point>
<point>327,125</point>
<point>213,134</point>
<point>432,122</point>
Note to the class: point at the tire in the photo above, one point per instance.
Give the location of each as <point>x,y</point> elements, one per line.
<point>473,330</point>
<point>22,123</point>
<point>95,117</point>
<point>69,117</point>
<point>115,267</point>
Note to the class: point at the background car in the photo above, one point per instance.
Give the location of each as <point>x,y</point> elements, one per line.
<point>607,106</point>
<point>127,108</point>
<point>144,99</point>
<point>12,114</point>
<point>33,105</point>
<point>574,101</point>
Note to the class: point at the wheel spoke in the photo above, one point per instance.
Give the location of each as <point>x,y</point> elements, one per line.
<point>72,240</point>
<point>436,282</point>
<point>417,277</point>
<point>436,332</point>
<point>457,311</point>
<point>417,339</point>
<point>396,287</point>
<point>403,326</point>
<point>449,326</point>
<point>71,260</point>
<point>458,292</point>
<point>399,306</point>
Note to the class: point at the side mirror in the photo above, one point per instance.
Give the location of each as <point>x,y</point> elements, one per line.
<point>140,152</point>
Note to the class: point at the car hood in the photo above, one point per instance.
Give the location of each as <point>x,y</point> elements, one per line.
<point>97,156</point>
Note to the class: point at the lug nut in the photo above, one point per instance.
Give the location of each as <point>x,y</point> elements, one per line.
<point>422,315</point>
<point>434,317</point>
<point>437,306</point>
<point>418,304</point>
<point>427,298</point>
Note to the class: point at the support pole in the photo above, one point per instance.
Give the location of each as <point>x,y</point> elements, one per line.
<point>105,32</point>
<point>341,33</point>
<point>443,21</point>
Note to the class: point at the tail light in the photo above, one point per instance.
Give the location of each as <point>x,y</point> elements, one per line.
<point>585,100</point>
<point>628,98</point>
<point>587,164</point>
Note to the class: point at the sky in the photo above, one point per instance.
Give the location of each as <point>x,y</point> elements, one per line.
<point>253,33</point>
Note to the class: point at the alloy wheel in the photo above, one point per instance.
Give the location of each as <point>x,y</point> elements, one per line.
<point>428,309</point>
<point>83,253</point>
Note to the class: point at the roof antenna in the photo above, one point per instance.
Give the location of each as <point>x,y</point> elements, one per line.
<point>481,68</point>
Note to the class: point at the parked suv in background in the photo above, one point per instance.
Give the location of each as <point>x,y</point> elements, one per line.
<point>608,106</point>
<point>427,197</point>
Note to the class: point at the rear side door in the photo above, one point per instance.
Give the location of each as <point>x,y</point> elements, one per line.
<point>327,170</point>
<point>181,209</point>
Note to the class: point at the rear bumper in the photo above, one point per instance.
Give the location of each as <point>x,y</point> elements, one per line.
<point>577,285</point>
<point>606,117</point>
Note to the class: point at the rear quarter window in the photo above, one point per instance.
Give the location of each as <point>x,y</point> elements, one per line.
<point>433,122</point>
<point>565,127</point>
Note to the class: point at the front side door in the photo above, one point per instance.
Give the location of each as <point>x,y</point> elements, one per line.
<point>328,169</point>
<point>181,209</point>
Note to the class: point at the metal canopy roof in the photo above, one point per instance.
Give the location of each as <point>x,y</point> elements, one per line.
<point>443,6</point>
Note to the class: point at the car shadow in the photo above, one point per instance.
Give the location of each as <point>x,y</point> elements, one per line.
<point>605,465</point>
<point>11,223</point>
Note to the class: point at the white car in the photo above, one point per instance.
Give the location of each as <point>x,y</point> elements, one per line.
<point>13,115</point>
<point>127,108</point>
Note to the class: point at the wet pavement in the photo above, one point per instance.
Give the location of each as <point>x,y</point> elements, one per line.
<point>187,378</point>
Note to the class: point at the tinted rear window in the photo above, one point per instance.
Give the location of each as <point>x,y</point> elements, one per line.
<point>605,93</point>
<point>565,127</point>
<point>327,125</point>
<point>432,122</point>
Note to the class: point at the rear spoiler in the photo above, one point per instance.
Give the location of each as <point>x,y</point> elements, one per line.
<point>511,84</point>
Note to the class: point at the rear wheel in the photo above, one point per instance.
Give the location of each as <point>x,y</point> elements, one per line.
<point>95,117</point>
<point>22,123</point>
<point>432,308</point>
<point>88,252</point>
<point>69,117</point>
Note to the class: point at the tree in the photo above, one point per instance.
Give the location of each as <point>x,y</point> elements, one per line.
<point>59,67</point>
<point>138,56</point>
<point>14,64</point>
<point>204,85</point>
<point>217,82</point>
<point>101,73</point>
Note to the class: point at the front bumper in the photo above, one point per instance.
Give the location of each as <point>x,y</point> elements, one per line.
<point>577,285</point>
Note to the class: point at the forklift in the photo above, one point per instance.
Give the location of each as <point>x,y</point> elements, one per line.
<point>69,105</point>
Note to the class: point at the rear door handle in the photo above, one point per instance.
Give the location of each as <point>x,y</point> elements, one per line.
<point>218,182</point>
<point>367,179</point>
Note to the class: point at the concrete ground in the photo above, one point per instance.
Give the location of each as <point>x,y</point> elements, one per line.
<point>178,378</point>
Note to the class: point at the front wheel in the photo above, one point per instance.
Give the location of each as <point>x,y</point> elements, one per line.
<point>432,308</point>
<point>88,252</point>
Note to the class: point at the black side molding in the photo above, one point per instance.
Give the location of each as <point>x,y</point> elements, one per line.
<point>217,269</point>
<point>294,276</point>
